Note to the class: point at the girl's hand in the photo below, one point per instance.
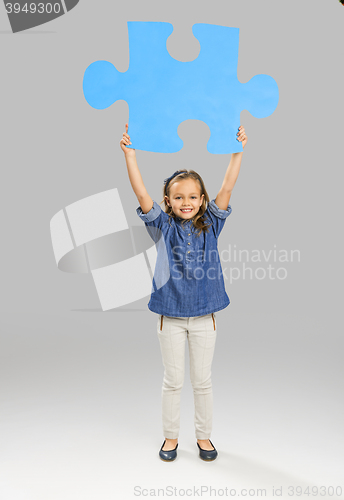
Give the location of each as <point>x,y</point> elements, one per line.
<point>126,140</point>
<point>242,137</point>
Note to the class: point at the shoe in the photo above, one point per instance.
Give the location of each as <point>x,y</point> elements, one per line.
<point>168,456</point>
<point>207,455</point>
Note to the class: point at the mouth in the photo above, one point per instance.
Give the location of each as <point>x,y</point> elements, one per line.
<point>186,210</point>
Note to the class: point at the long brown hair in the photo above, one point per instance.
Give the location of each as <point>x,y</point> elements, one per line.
<point>199,219</point>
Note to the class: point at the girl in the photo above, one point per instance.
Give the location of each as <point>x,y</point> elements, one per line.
<point>188,287</point>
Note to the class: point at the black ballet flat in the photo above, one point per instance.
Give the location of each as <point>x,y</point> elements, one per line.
<point>207,455</point>
<point>168,456</point>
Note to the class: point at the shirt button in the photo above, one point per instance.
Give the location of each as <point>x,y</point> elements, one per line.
<point>188,251</point>
<point>189,243</point>
<point>189,234</point>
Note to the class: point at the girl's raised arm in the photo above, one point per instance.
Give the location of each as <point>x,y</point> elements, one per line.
<point>135,178</point>
<point>231,175</point>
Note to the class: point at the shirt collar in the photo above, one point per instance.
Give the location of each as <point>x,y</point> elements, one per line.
<point>184,221</point>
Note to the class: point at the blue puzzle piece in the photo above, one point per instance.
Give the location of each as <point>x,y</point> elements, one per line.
<point>162,92</point>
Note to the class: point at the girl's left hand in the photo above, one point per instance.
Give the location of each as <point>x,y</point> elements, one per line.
<point>242,137</point>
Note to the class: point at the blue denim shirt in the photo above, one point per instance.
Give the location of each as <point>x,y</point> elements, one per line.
<point>188,278</point>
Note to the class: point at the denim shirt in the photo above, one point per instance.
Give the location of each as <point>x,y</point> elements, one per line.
<point>188,278</point>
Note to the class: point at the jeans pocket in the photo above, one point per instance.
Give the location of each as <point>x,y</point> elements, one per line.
<point>214,322</point>
<point>160,322</point>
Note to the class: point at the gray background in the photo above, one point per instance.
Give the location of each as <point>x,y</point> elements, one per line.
<point>80,397</point>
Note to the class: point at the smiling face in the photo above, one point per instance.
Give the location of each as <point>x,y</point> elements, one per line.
<point>185,198</point>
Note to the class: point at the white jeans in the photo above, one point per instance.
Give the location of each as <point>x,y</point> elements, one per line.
<point>201,334</point>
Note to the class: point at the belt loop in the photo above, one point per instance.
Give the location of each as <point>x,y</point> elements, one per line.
<point>213,320</point>
<point>162,316</point>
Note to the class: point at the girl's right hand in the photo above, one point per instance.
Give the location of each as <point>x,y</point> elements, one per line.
<point>126,140</point>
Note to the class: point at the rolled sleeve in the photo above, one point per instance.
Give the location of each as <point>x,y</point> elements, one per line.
<point>218,216</point>
<point>218,212</point>
<point>150,216</point>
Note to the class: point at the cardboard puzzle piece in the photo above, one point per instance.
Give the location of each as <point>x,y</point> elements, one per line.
<point>162,92</point>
